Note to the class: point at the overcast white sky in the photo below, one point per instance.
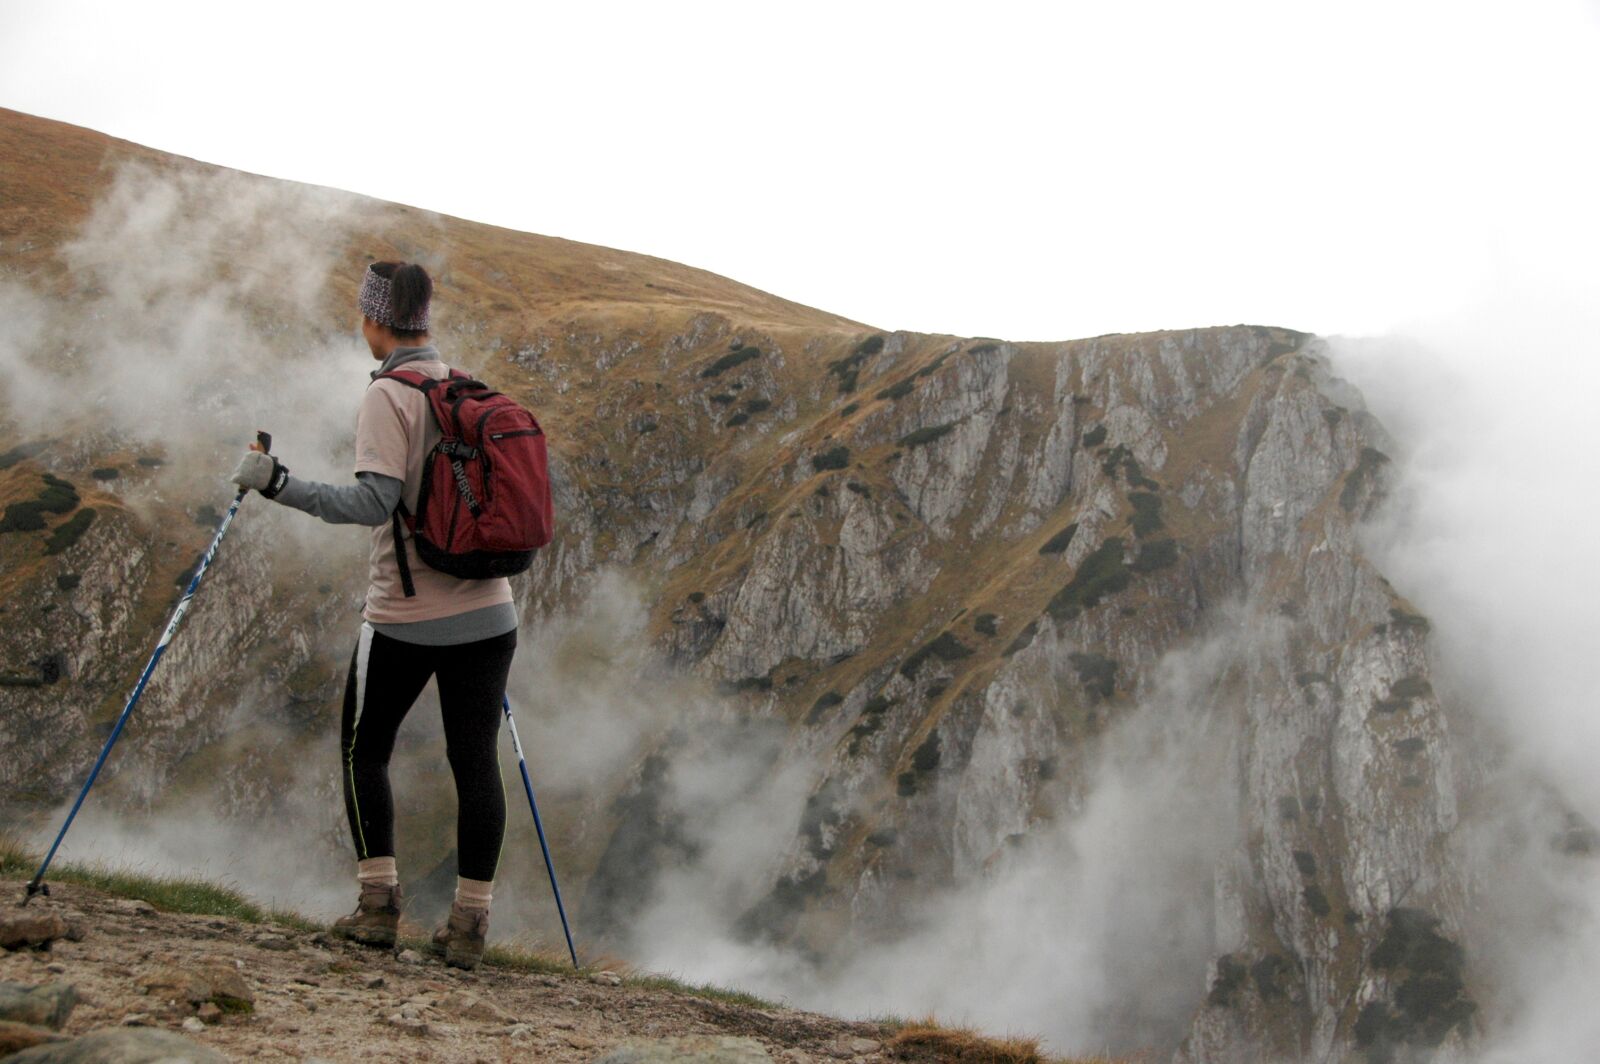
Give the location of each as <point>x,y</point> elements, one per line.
<point>1030,171</point>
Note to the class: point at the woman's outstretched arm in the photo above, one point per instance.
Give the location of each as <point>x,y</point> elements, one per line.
<point>369,501</point>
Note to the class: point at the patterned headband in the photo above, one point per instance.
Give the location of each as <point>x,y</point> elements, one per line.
<point>376,301</point>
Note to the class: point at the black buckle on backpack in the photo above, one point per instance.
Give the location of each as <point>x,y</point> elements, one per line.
<point>457,450</point>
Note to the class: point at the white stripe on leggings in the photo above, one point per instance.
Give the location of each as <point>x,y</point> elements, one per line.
<point>363,652</point>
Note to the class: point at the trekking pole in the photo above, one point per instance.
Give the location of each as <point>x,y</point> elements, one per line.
<point>538,825</point>
<point>37,884</point>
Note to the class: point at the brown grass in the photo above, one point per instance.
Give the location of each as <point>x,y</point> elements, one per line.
<point>931,1042</point>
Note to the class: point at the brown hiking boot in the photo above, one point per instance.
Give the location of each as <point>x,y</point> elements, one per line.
<point>461,938</point>
<point>376,919</point>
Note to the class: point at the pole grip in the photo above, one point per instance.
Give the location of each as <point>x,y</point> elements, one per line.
<point>265,440</point>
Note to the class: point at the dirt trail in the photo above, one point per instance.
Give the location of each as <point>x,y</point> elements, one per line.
<point>320,999</point>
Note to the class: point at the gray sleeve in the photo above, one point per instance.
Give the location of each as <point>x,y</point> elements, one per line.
<point>369,501</point>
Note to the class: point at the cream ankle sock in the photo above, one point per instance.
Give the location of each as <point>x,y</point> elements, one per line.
<point>377,872</point>
<point>474,894</point>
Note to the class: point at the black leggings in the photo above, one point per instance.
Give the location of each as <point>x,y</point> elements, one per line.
<point>386,676</point>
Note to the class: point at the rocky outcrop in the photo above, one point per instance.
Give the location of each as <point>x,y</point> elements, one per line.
<point>1161,478</point>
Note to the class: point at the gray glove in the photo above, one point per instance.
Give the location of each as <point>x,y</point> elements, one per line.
<point>262,472</point>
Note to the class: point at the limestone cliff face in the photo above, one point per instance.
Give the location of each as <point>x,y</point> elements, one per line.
<point>938,569</point>
<point>954,580</point>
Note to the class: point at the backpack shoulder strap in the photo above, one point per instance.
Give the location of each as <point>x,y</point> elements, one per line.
<point>411,378</point>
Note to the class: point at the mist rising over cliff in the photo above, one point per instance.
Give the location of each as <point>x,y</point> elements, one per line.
<point>1123,690</point>
<point>1491,525</point>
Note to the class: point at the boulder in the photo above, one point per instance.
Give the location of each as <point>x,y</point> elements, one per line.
<point>128,1045</point>
<point>211,981</point>
<point>33,926</point>
<point>41,1006</point>
<point>18,1036</point>
<point>695,1049</point>
<point>471,1007</point>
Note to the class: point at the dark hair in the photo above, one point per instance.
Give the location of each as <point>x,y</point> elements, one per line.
<point>410,291</point>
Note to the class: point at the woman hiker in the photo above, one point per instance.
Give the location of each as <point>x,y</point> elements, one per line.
<point>463,632</point>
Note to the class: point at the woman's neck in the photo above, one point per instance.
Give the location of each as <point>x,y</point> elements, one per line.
<point>390,344</point>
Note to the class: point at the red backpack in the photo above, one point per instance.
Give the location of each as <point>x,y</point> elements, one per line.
<point>484,506</point>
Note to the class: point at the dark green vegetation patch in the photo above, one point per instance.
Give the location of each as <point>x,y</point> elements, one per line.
<point>1024,638</point>
<point>1411,622</point>
<point>1306,861</point>
<point>1412,686</point>
<point>736,420</point>
<point>1357,480</point>
<point>946,647</point>
<point>106,473</point>
<point>985,624</point>
<point>1430,996</point>
<point>924,761</point>
<point>1230,979</point>
<point>56,497</point>
<point>925,435</point>
<point>1060,541</point>
<point>1102,574</point>
<point>1402,693</point>
<point>1095,436</point>
<point>1121,458</point>
<point>822,705</point>
<point>1410,748</point>
<point>19,452</point>
<point>1158,554</point>
<point>737,357</point>
<point>1271,975</point>
<point>848,368</point>
<point>832,458</point>
<point>68,581</point>
<point>722,398</point>
<point>871,720</point>
<point>983,349</point>
<point>1146,513</point>
<point>900,390</point>
<point>933,367</point>
<point>757,406</point>
<point>1097,673</point>
<point>747,683</point>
